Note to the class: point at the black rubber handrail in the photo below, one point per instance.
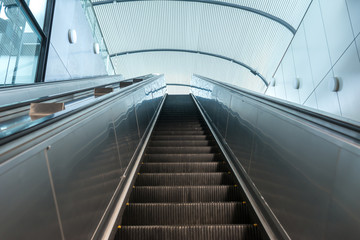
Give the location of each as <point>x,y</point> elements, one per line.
<point>45,121</point>
<point>312,116</point>
<point>47,98</point>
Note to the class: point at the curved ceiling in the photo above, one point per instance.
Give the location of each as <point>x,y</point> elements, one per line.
<point>218,3</point>
<point>254,36</point>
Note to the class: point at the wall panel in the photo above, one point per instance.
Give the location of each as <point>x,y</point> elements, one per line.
<point>347,69</point>
<point>78,59</point>
<point>330,30</point>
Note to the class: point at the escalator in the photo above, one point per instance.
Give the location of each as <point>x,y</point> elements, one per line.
<point>221,163</point>
<point>184,188</point>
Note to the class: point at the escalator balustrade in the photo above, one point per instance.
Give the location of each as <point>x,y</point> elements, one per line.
<point>185,188</point>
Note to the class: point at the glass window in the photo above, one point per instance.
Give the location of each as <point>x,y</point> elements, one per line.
<point>97,35</point>
<point>38,8</point>
<point>20,46</point>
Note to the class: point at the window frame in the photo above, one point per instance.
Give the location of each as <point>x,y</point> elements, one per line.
<point>43,33</point>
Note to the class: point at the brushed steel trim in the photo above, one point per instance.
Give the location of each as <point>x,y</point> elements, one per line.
<point>272,235</point>
<point>129,178</point>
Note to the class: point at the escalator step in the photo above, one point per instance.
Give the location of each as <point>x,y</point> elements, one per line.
<point>176,125</point>
<point>185,213</point>
<point>180,194</point>
<point>207,232</point>
<point>184,150</point>
<point>179,128</point>
<point>180,116</point>
<point>204,157</point>
<point>179,121</point>
<point>181,137</point>
<point>179,132</point>
<point>182,143</point>
<point>184,188</point>
<point>184,179</point>
<point>183,167</point>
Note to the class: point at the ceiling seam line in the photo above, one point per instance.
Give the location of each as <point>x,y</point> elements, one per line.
<point>225,4</point>
<point>252,70</point>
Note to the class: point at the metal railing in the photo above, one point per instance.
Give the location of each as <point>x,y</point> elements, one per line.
<point>294,163</point>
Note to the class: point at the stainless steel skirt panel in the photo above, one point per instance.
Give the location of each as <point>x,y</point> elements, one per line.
<point>87,155</point>
<point>294,170</point>
<point>241,130</point>
<point>80,164</point>
<point>344,211</point>
<point>27,208</point>
<point>126,130</point>
<point>307,175</point>
<point>220,110</point>
<point>145,103</point>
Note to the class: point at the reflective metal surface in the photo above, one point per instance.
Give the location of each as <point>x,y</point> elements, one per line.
<point>307,174</point>
<point>15,119</point>
<point>26,201</point>
<point>80,168</point>
<point>27,92</point>
<point>87,155</point>
<point>126,130</point>
<point>241,125</point>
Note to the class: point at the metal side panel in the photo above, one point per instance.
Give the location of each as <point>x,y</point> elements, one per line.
<point>141,105</point>
<point>110,227</point>
<point>295,171</point>
<point>241,122</point>
<point>126,130</point>
<point>145,106</point>
<point>344,210</point>
<point>88,153</point>
<point>223,103</point>
<point>27,209</point>
<point>306,173</point>
<point>86,170</point>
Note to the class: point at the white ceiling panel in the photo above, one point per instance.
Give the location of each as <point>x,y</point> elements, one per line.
<point>179,67</point>
<point>243,36</point>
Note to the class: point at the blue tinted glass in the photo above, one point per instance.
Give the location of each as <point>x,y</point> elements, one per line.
<point>38,8</point>
<point>19,46</point>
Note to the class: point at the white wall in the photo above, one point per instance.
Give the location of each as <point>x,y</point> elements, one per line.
<point>68,61</point>
<point>325,46</point>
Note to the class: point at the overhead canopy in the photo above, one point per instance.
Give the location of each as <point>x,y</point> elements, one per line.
<point>240,42</point>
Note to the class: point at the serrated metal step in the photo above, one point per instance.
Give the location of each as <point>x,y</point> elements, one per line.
<point>204,232</point>
<point>185,213</point>
<point>204,157</point>
<point>184,179</point>
<point>181,194</point>
<point>183,167</point>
